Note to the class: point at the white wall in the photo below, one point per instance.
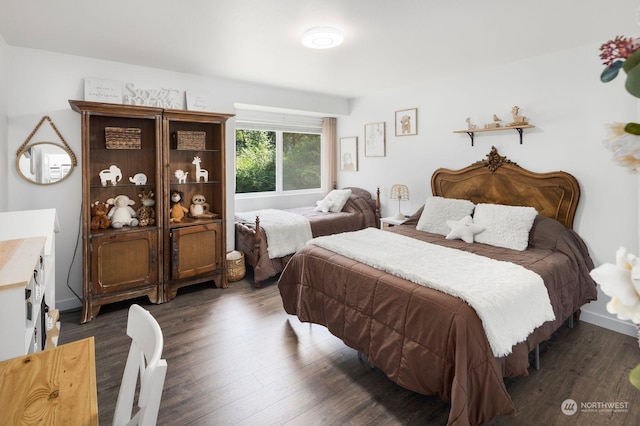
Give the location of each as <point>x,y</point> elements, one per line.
<point>4,149</point>
<point>561,95</point>
<point>41,83</point>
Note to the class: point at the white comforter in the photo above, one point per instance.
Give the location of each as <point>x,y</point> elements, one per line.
<point>510,300</point>
<point>286,232</point>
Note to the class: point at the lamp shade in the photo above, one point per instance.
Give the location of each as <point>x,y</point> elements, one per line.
<point>399,192</point>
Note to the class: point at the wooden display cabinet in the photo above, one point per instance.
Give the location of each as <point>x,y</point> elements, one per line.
<point>195,246</point>
<point>124,263</point>
<point>157,259</point>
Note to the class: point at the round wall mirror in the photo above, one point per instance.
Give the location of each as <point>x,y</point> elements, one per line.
<point>45,163</point>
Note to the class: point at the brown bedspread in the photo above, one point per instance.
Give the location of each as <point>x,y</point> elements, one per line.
<point>358,213</point>
<point>427,341</point>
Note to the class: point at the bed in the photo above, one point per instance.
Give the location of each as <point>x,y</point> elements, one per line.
<point>429,341</point>
<point>361,210</point>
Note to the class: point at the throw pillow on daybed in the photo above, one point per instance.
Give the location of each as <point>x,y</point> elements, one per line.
<point>437,210</point>
<point>334,201</point>
<point>504,226</point>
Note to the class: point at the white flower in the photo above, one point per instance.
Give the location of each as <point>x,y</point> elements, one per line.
<point>624,146</point>
<point>621,282</point>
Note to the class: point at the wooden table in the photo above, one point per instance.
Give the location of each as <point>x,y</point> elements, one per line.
<point>56,386</point>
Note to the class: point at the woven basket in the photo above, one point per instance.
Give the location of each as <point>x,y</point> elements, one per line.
<point>187,140</point>
<point>122,138</point>
<point>235,266</point>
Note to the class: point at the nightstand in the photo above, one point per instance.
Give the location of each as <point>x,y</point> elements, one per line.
<point>390,222</point>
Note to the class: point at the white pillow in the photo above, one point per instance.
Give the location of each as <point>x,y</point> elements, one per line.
<point>504,226</point>
<point>323,206</point>
<point>334,201</point>
<point>463,229</point>
<point>437,210</point>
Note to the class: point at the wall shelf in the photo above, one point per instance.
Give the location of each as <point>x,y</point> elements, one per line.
<point>516,128</point>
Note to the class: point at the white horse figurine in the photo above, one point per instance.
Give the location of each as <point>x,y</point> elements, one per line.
<point>200,173</point>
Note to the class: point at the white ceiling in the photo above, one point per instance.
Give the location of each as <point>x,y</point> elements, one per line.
<point>387,44</point>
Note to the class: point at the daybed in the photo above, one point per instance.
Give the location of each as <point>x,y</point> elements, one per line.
<point>360,211</point>
<point>427,340</point>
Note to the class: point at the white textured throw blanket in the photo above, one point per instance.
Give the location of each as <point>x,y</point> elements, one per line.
<point>510,300</point>
<point>286,232</point>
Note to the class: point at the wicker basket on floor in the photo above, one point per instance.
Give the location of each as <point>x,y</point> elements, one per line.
<point>235,266</point>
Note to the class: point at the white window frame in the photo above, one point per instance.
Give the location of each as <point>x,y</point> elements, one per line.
<point>280,123</point>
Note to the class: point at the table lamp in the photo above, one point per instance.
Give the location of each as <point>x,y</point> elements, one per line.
<point>399,192</point>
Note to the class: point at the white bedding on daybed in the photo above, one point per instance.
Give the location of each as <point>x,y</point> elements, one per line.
<point>286,232</point>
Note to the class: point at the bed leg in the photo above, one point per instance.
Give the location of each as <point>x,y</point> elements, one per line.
<point>256,250</point>
<point>536,354</point>
<point>570,322</point>
<point>363,358</point>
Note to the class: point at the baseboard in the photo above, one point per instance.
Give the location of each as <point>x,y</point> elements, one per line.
<point>68,304</point>
<point>624,327</point>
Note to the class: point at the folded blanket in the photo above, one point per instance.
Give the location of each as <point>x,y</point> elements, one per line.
<point>286,232</point>
<point>510,300</point>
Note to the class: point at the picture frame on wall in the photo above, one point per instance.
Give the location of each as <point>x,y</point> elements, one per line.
<point>407,122</point>
<point>374,139</point>
<point>349,154</point>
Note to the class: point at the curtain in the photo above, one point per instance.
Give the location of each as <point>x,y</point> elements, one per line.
<point>329,171</point>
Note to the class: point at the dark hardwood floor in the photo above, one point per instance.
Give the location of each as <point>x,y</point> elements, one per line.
<point>235,357</point>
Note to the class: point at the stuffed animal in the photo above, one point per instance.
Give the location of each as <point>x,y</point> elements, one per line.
<point>405,121</point>
<point>177,209</point>
<point>121,214</point>
<point>199,207</point>
<point>99,219</point>
<point>146,212</point>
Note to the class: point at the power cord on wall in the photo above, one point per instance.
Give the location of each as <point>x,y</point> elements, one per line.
<point>75,251</point>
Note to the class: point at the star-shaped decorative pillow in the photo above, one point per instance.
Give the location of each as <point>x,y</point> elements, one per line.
<point>463,229</point>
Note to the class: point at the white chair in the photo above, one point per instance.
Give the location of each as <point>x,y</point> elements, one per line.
<point>144,357</point>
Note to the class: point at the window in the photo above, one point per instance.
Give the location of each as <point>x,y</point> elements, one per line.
<point>276,153</point>
<point>255,161</point>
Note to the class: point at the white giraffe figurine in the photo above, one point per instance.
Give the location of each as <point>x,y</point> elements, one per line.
<point>200,173</point>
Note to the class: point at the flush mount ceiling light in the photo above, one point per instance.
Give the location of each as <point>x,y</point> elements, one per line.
<point>322,37</point>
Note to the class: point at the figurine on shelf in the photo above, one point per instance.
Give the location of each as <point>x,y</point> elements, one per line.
<point>146,212</point>
<point>200,208</point>
<point>181,175</point>
<point>518,120</point>
<point>177,209</point>
<point>470,125</point>
<point>138,179</point>
<point>113,174</point>
<point>495,124</point>
<point>200,173</point>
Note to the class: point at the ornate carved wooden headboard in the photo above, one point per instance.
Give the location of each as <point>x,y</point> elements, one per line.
<point>498,180</point>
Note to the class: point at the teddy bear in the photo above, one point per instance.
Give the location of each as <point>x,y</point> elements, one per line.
<point>146,212</point>
<point>199,207</point>
<point>121,214</point>
<point>405,121</point>
<point>177,209</point>
<point>99,219</point>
